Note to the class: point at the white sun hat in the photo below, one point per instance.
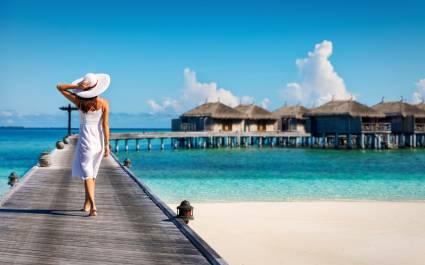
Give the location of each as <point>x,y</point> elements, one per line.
<point>98,84</point>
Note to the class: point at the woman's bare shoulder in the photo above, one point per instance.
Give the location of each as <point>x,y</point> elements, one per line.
<point>103,102</point>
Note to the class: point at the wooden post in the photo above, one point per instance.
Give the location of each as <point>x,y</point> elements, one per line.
<point>69,109</point>
<point>162,143</point>
<point>349,139</point>
<point>117,148</point>
<point>149,144</point>
<point>126,145</point>
<point>137,145</point>
<point>362,139</point>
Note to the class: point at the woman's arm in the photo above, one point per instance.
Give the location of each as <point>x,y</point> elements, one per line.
<point>105,125</point>
<point>63,88</point>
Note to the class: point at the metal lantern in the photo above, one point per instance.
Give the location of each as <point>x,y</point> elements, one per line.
<point>185,211</point>
<point>13,179</point>
<point>66,140</point>
<point>127,162</point>
<point>60,145</point>
<point>44,159</point>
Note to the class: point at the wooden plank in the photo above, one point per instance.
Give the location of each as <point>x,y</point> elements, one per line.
<point>40,221</point>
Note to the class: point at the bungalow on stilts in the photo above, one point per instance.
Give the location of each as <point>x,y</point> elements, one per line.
<point>407,122</point>
<point>292,119</point>
<point>348,124</point>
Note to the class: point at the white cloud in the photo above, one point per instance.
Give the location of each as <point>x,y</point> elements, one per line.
<point>6,113</point>
<point>419,94</point>
<point>247,100</point>
<point>166,105</point>
<point>195,93</point>
<point>319,82</point>
<point>265,103</point>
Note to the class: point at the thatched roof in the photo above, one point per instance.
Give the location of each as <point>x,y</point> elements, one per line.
<point>345,107</point>
<point>254,112</point>
<point>421,106</point>
<point>399,108</point>
<point>215,110</point>
<point>296,111</point>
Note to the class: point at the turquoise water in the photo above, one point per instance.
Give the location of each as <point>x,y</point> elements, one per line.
<point>20,149</point>
<point>277,174</point>
<point>246,174</point>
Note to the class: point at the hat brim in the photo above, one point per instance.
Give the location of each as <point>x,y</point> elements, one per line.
<point>103,81</point>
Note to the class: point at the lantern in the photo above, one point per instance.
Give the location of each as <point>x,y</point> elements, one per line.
<point>13,179</point>
<point>185,211</point>
<point>127,162</point>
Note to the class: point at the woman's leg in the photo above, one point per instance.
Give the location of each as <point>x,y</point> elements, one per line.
<point>90,184</point>
<point>86,206</point>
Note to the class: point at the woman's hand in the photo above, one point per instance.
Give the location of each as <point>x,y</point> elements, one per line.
<point>64,87</point>
<point>107,150</point>
<point>83,85</point>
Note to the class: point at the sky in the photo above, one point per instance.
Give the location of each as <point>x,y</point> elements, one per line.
<point>165,57</point>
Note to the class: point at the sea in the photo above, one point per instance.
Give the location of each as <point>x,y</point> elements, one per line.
<point>244,174</point>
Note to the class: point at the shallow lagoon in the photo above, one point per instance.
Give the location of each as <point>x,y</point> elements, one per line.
<point>246,174</point>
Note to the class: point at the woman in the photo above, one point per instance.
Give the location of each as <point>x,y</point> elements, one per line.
<point>93,140</point>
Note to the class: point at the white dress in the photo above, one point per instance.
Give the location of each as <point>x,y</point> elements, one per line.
<point>90,146</point>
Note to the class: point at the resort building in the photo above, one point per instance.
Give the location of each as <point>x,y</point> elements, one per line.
<point>421,105</point>
<point>211,116</point>
<point>348,123</point>
<point>407,122</point>
<point>292,119</point>
<point>256,118</point>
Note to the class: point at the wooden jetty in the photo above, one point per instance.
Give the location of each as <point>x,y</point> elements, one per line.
<point>40,221</point>
<point>205,139</point>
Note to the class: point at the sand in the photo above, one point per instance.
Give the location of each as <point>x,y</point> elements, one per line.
<point>314,232</point>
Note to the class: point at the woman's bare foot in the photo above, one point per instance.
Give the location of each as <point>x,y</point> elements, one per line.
<point>93,212</point>
<point>86,207</point>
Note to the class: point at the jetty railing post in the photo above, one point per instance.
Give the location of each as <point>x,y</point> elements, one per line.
<point>117,148</point>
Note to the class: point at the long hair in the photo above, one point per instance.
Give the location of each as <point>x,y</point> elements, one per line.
<point>87,104</point>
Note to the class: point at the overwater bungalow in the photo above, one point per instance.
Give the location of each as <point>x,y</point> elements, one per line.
<point>292,119</point>
<point>211,116</point>
<point>407,122</point>
<point>257,119</point>
<point>348,123</point>
<point>421,105</point>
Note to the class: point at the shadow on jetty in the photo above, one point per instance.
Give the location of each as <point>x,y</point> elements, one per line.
<point>44,212</point>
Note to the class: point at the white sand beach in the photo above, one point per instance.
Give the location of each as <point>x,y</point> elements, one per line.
<point>314,232</point>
